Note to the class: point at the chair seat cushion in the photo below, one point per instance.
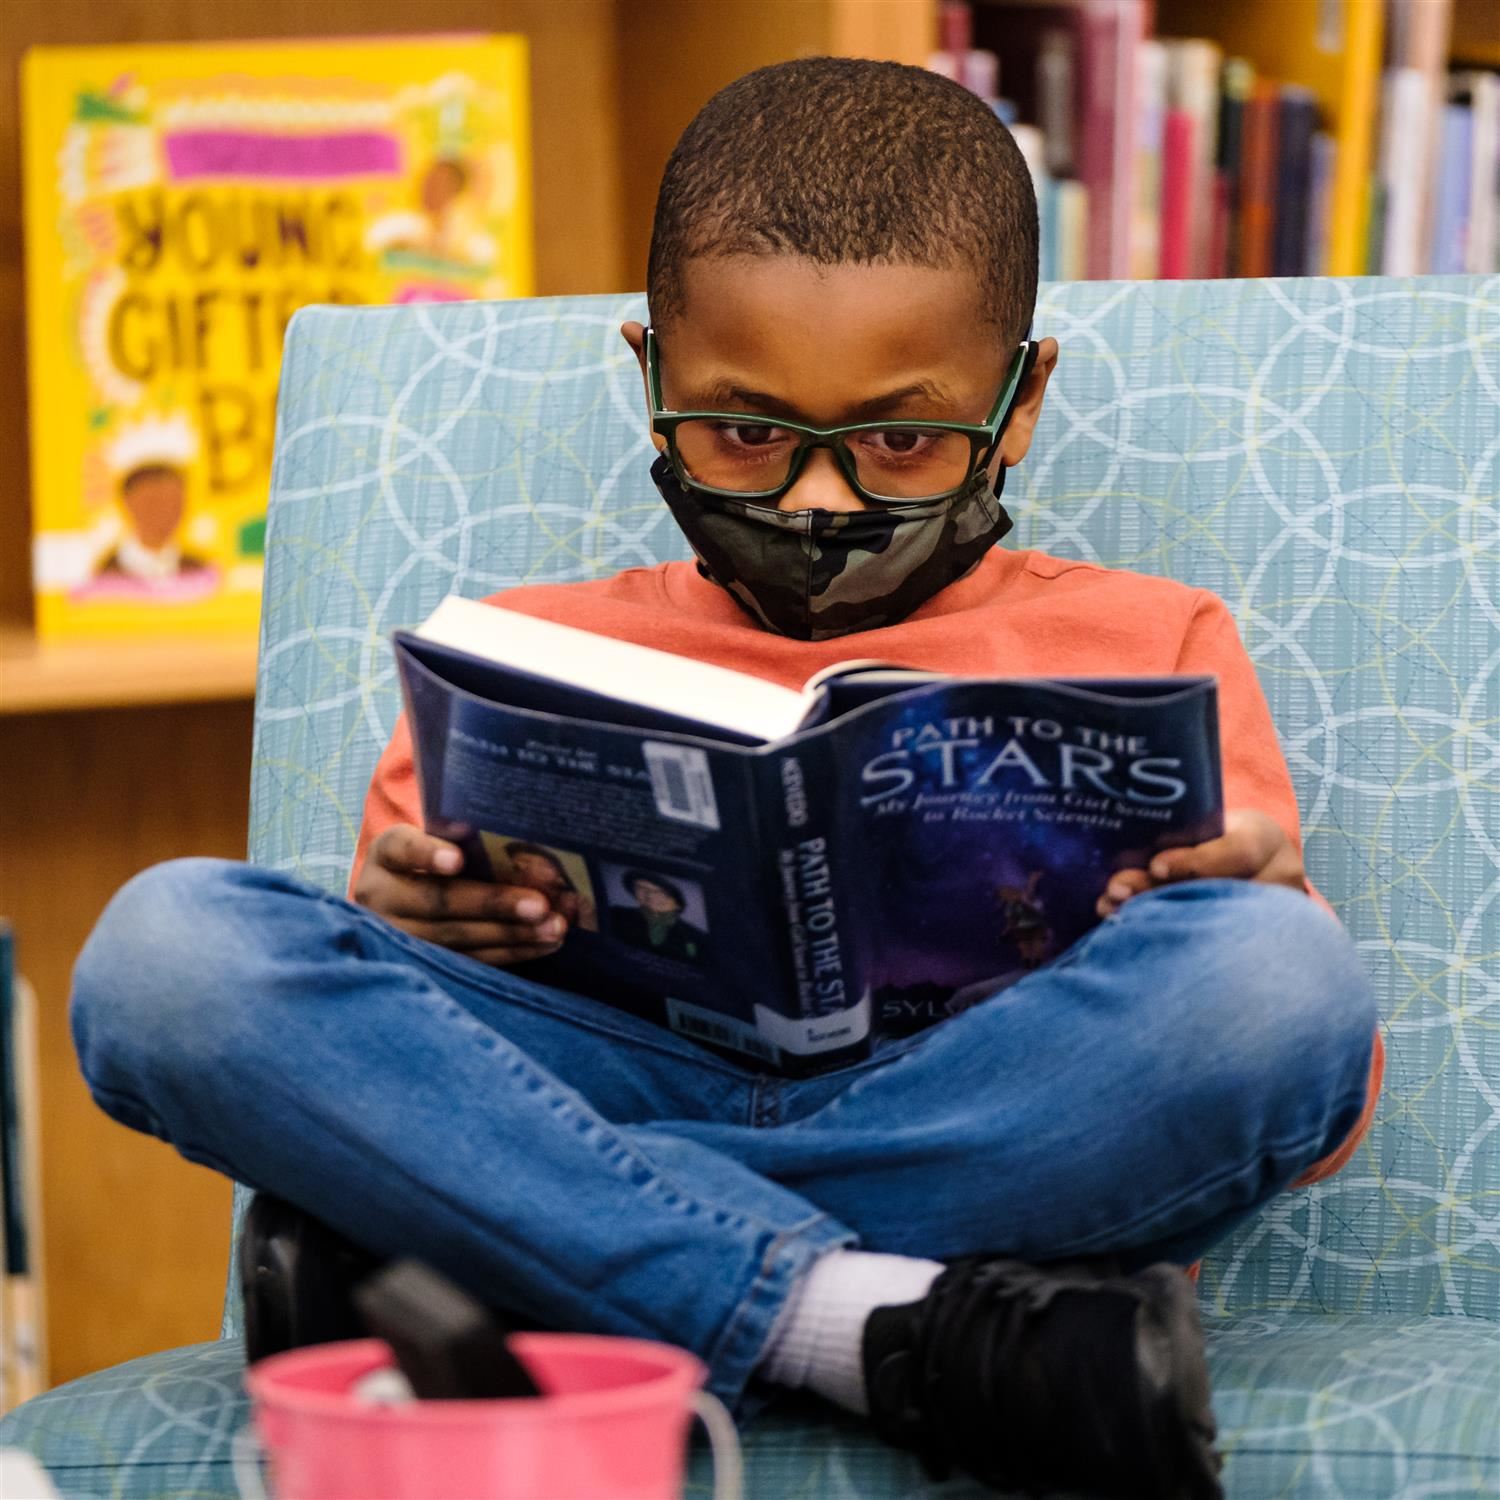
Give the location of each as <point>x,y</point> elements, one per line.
<point>1374,1408</point>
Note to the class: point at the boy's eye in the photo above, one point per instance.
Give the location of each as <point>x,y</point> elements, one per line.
<point>899,442</point>
<point>750,434</point>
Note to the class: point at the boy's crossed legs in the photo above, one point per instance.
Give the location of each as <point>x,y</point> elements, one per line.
<point>1174,1070</point>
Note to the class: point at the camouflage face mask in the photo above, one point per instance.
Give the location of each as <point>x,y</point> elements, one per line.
<point>815,575</point>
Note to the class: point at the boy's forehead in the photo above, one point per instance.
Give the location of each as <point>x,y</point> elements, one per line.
<point>819,335</point>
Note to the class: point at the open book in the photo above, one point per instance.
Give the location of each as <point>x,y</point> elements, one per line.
<point>795,876</point>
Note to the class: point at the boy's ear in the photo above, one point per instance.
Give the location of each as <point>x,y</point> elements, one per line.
<point>1016,442</point>
<point>634,334</point>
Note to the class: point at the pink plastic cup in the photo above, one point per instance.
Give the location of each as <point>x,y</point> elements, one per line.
<point>611,1424</point>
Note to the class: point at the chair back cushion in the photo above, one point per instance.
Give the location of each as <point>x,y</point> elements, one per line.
<point>1324,454</point>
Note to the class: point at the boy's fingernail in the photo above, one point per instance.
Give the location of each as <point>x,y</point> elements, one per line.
<point>447,861</point>
<point>553,927</point>
<point>1159,869</point>
<point>531,908</point>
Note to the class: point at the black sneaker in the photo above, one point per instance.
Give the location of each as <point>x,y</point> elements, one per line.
<point>298,1277</point>
<point>1044,1378</point>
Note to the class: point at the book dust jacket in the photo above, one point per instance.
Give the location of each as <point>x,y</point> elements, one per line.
<point>181,202</point>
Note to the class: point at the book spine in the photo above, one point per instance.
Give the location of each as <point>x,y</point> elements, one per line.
<point>22,1347</point>
<point>1151,110</point>
<point>1193,86</point>
<point>1029,140</point>
<point>1176,188</point>
<point>1448,254</point>
<point>1236,82</point>
<point>1320,203</point>
<point>1129,38</point>
<point>1484,177</point>
<point>1257,206</point>
<point>1404,169</point>
<point>1298,118</point>
<point>1359,84</point>
<point>1056,72</point>
<point>1095,114</point>
<point>1073,210</point>
<point>1375,229</point>
<point>1050,226</point>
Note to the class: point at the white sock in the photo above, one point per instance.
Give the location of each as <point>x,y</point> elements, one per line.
<point>818,1340</point>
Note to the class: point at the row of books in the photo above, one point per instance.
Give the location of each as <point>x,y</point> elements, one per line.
<point>1165,158</point>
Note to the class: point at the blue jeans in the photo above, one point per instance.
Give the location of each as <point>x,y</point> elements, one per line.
<point>588,1170</point>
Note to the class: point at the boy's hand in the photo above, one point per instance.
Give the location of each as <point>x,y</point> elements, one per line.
<point>408,878</point>
<point>1254,846</point>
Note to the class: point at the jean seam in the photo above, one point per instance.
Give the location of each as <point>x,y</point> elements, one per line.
<point>789,1253</point>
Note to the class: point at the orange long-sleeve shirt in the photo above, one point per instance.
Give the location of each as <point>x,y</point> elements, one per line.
<point>1017,614</point>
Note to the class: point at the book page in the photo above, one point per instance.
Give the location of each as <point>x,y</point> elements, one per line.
<point>713,696</point>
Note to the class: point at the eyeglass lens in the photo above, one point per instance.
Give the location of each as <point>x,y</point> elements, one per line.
<point>899,463</point>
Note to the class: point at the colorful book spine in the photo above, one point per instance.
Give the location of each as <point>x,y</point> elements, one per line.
<point>1151,118</point>
<point>1483,250</point>
<point>1448,253</point>
<point>1193,87</point>
<point>1056,75</point>
<point>1257,206</point>
<point>1029,139</point>
<point>1110,32</point>
<point>1176,196</point>
<point>1358,36</point>
<point>1404,169</point>
<point>22,1345</point>
<point>1325,150</point>
<point>1297,122</point>
<point>1236,83</point>
<point>1073,210</point>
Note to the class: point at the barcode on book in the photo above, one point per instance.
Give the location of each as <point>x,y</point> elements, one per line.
<point>723,1031</point>
<point>681,783</point>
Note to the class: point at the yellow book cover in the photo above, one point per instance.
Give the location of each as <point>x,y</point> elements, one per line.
<point>181,202</point>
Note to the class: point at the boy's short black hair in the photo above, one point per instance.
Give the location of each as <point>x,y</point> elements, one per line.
<point>843,160</point>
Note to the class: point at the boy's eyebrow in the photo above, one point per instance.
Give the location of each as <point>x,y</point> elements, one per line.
<point>725,395</point>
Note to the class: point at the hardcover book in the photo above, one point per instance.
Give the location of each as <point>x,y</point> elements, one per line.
<point>795,877</point>
<point>180,203</point>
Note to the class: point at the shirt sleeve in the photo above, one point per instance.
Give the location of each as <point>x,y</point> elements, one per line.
<point>393,796</point>
<point>1256,778</point>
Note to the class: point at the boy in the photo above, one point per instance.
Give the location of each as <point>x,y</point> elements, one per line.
<point>975,1235</point>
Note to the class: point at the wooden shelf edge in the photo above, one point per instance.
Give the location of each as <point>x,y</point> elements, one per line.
<point>69,676</point>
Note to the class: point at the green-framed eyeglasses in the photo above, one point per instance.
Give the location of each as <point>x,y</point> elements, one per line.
<point>758,458</point>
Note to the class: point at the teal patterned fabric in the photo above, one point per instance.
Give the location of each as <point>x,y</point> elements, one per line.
<point>1326,456</point>
<point>1328,1407</point>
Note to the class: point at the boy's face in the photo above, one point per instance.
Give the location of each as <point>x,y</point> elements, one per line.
<point>785,337</point>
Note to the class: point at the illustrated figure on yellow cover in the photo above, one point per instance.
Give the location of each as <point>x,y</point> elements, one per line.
<point>150,462</point>
<point>448,226</point>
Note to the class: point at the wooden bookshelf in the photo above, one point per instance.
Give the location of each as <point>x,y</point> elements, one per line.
<point>37,678</point>
<point>1476,32</point>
